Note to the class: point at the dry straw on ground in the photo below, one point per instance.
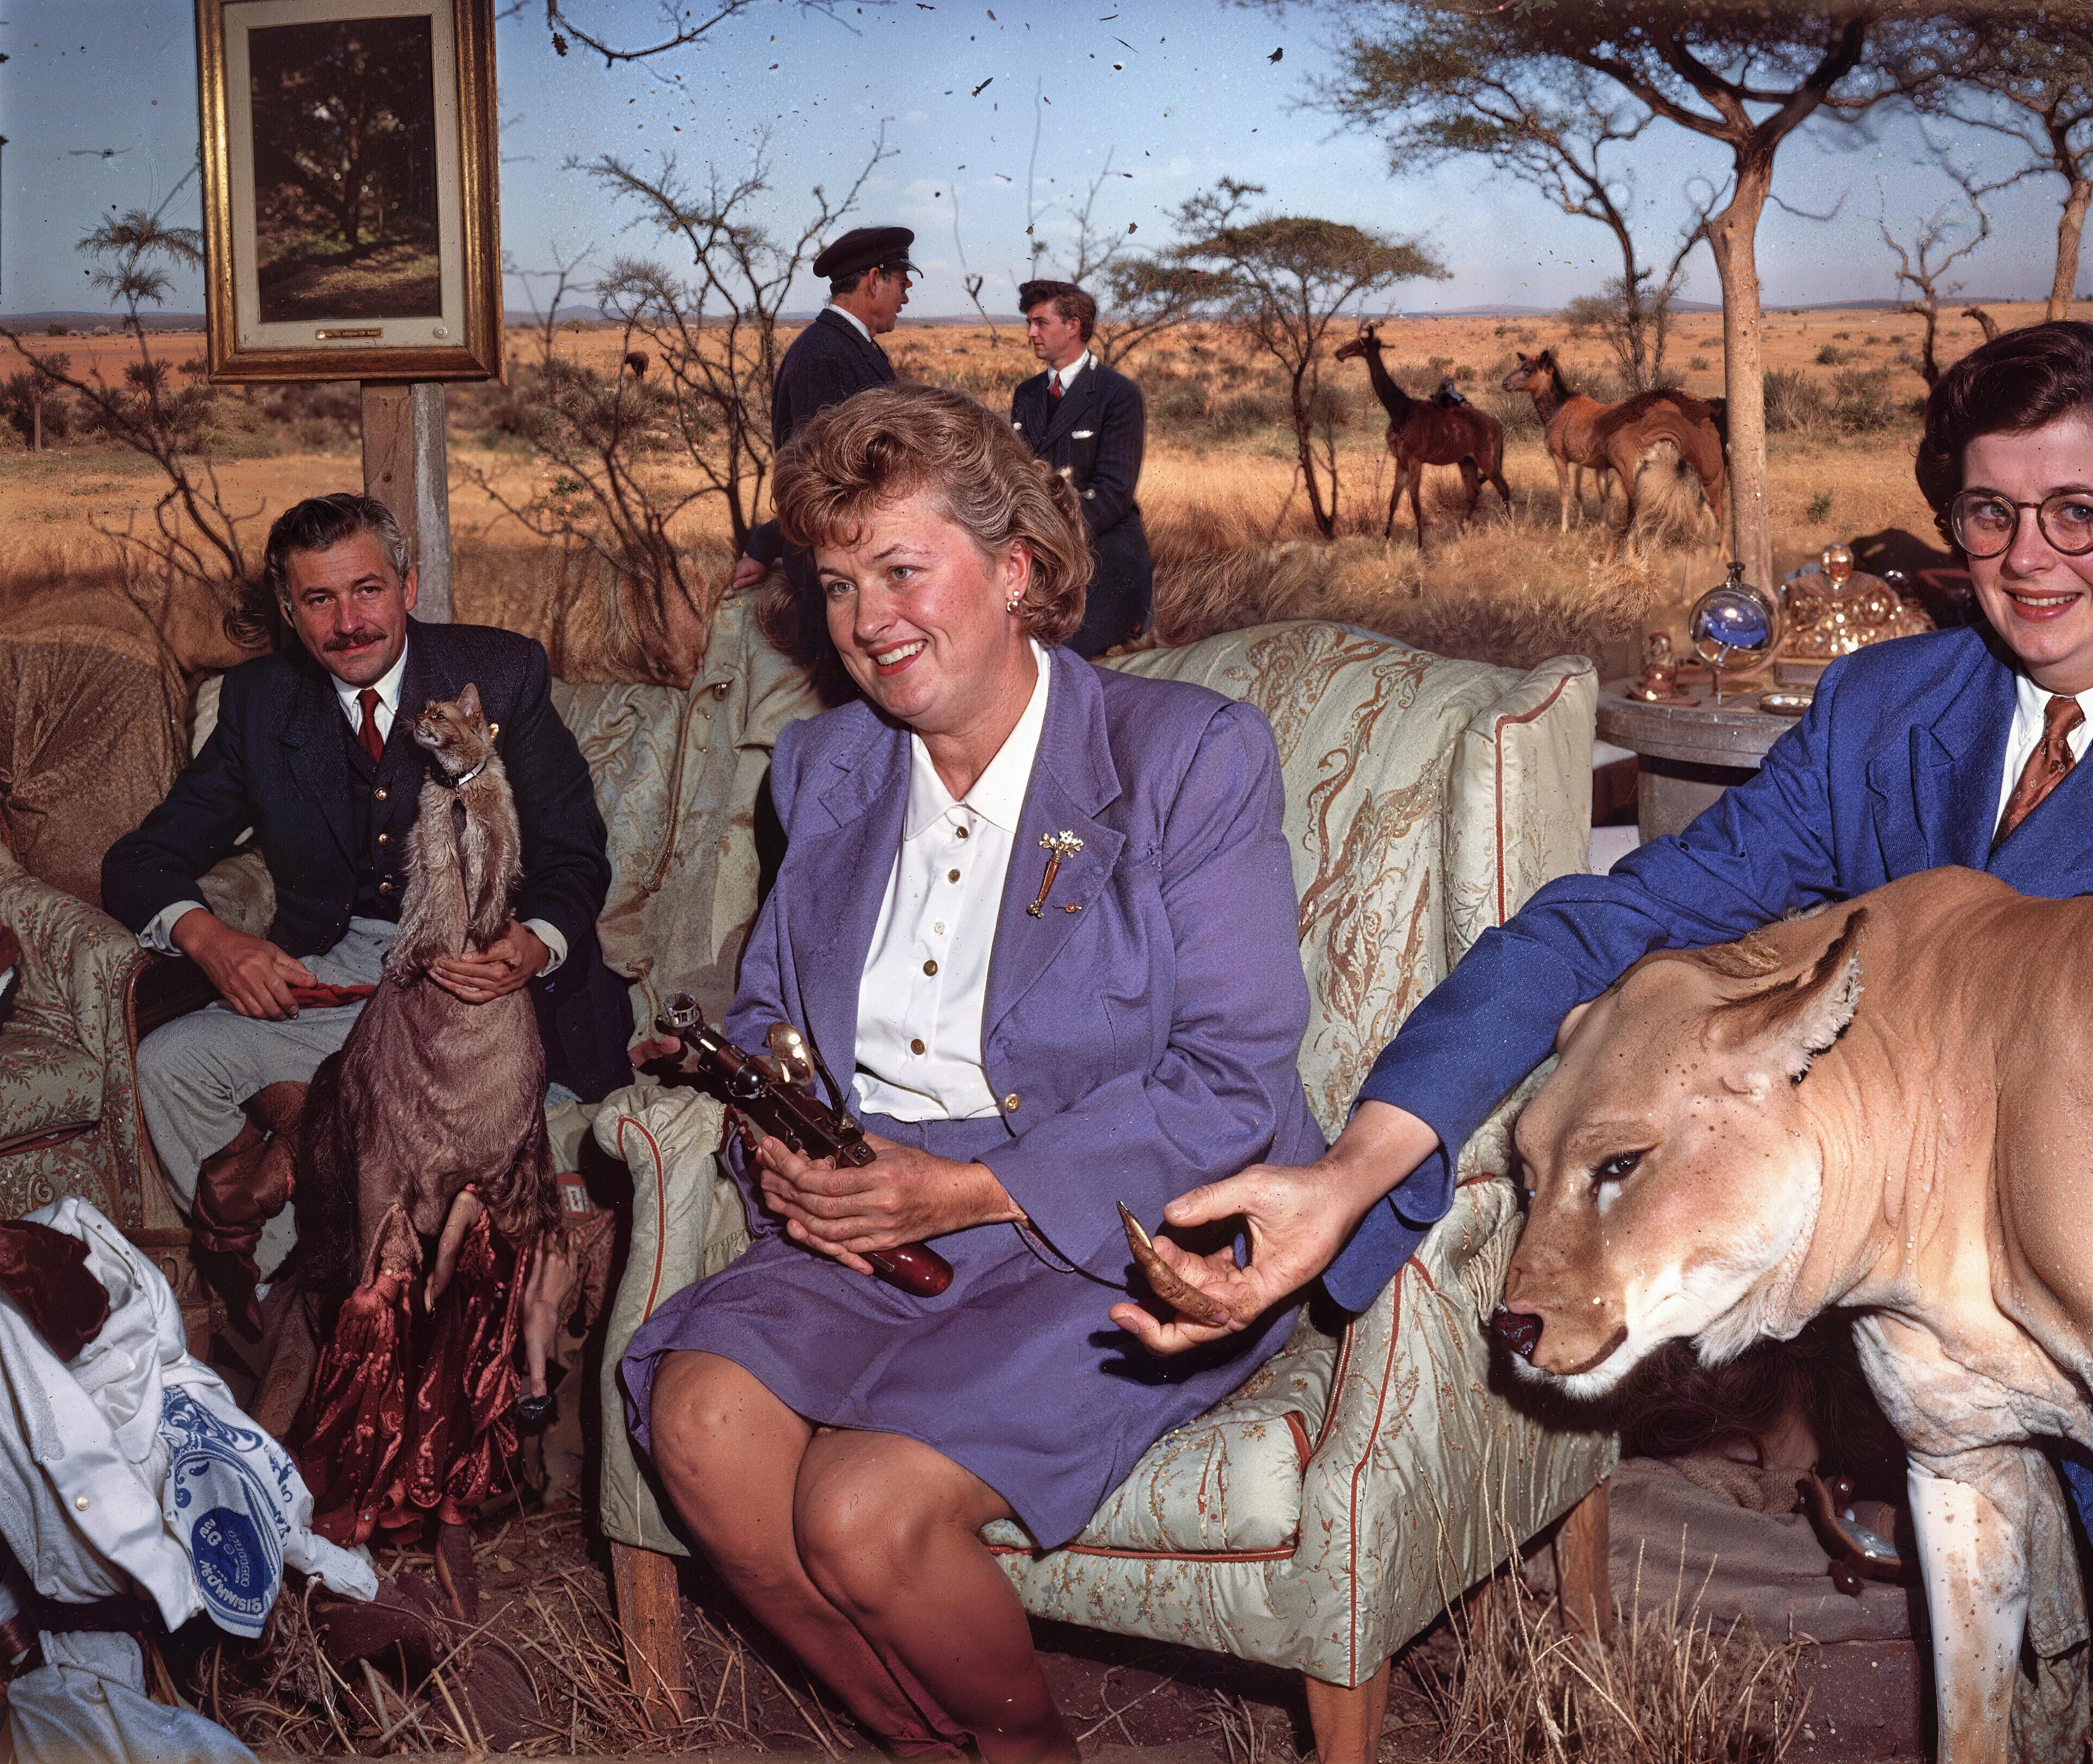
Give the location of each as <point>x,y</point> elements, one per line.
<point>1675,1686</point>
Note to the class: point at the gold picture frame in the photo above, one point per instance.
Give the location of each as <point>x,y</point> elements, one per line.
<point>351,212</point>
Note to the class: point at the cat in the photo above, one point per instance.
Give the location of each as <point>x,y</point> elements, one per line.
<point>431,1093</point>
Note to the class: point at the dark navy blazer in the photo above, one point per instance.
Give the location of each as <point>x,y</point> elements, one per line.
<point>276,762</point>
<point>829,361</point>
<point>1095,434</point>
<point>1897,767</point>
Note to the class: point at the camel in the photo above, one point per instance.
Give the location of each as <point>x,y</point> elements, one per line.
<point>1422,432</point>
<point>1616,439</point>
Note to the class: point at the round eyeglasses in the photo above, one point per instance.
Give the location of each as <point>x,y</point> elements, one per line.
<point>1985,523</point>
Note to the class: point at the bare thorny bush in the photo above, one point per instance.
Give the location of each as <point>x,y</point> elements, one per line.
<point>195,544</point>
<point>686,414</point>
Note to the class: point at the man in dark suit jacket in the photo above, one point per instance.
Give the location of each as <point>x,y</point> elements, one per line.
<point>313,750</point>
<point>1086,422</point>
<point>866,271</point>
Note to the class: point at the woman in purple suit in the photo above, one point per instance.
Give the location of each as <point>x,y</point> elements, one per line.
<point>1045,916</point>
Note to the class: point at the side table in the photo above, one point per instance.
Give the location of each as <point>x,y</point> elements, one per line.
<point>1687,754</point>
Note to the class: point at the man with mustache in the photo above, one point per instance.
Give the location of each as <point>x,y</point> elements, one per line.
<point>314,751</point>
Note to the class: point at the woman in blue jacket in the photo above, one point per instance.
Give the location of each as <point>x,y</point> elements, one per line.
<point>1957,747</point>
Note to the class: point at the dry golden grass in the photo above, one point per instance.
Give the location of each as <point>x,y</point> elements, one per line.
<point>1229,524</point>
<point>1671,1686</point>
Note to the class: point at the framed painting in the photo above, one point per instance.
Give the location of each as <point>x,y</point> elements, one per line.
<point>352,225</point>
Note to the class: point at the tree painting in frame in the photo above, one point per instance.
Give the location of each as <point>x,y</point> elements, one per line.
<point>349,188</point>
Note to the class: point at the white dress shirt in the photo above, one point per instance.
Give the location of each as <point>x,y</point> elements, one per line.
<point>387,690</point>
<point>2029,702</point>
<point>159,932</point>
<point>1066,376</point>
<point>863,329</point>
<point>925,981</point>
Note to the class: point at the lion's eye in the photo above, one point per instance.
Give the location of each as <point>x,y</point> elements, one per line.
<point>1615,1168</point>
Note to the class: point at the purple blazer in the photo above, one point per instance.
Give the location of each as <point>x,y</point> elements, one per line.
<point>1142,1046</point>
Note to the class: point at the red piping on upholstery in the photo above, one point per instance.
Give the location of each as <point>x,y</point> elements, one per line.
<point>1496,746</point>
<point>660,1206</point>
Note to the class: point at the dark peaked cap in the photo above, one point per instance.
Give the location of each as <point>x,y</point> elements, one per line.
<point>867,248</point>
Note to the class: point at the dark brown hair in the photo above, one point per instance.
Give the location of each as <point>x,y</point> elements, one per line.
<point>1069,301</point>
<point>890,442</point>
<point>320,523</point>
<point>2022,380</point>
<point>258,619</point>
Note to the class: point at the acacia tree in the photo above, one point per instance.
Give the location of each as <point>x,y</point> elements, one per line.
<point>1428,88</point>
<point>2015,73</point>
<point>1742,76</point>
<point>196,544</point>
<point>1285,278</point>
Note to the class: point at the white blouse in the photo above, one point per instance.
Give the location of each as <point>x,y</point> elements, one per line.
<point>925,981</point>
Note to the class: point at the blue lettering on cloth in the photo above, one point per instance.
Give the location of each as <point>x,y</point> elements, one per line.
<point>228,1499</point>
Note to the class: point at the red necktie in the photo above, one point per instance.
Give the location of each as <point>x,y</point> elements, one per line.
<point>2047,766</point>
<point>374,744</point>
<point>1054,390</point>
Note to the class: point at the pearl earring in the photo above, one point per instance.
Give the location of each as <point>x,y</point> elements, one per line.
<point>1010,606</point>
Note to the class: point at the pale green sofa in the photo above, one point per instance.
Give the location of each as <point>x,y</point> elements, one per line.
<point>1324,1513</point>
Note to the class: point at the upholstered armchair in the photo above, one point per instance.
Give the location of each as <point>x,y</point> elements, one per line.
<point>1323,1514</point>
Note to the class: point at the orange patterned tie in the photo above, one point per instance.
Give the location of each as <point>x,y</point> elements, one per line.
<point>2046,766</point>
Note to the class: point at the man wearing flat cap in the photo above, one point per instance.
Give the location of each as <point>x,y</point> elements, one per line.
<point>866,271</point>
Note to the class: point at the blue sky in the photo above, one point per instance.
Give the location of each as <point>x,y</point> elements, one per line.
<point>98,103</point>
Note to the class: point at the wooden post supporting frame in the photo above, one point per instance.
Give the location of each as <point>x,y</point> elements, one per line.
<point>1347,1720</point>
<point>406,467</point>
<point>1584,1585</point>
<point>650,1615</point>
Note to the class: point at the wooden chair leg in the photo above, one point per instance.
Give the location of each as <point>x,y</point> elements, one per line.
<point>650,1614</point>
<point>1584,1586</point>
<point>1347,1721</point>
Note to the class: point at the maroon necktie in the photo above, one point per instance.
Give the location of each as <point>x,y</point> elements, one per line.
<point>374,744</point>
<point>1054,390</point>
<point>2046,766</point>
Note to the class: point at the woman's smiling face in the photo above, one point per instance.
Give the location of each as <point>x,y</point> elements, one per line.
<point>2039,600</point>
<point>917,611</point>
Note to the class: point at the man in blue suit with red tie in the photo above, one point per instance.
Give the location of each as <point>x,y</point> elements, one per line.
<point>1956,747</point>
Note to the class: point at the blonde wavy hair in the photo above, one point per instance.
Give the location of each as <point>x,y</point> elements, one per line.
<point>892,441</point>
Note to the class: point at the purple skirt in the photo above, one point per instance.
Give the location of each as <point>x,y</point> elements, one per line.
<point>1015,1372</point>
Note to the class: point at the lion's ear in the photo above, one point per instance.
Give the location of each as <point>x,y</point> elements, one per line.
<point>1782,1028</point>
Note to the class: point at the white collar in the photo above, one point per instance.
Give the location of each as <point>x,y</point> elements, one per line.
<point>851,318</point>
<point>997,795</point>
<point>387,688</point>
<point>2031,701</point>
<point>1067,375</point>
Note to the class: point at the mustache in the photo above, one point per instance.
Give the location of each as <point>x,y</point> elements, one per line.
<point>355,640</point>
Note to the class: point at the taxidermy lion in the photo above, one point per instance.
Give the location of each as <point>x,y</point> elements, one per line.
<point>1887,1107</point>
<point>430,1121</point>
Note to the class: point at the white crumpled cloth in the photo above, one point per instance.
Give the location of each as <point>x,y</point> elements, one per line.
<point>130,1471</point>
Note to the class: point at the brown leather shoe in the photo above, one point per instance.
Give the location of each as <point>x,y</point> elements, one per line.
<point>239,1190</point>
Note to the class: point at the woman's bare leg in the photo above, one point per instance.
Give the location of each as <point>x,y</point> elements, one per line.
<point>729,1453</point>
<point>888,1529</point>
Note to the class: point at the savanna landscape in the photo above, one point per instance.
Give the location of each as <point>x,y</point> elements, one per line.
<point>1231,532</point>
